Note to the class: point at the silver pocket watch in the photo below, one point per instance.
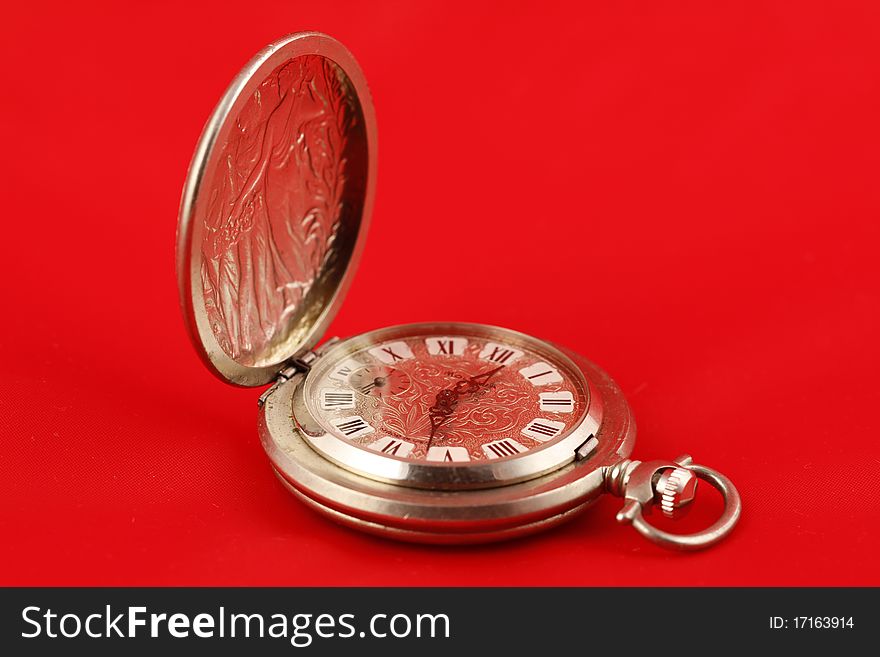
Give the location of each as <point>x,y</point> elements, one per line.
<point>442,432</point>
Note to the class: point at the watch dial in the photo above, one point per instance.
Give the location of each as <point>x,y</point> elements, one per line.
<point>454,399</point>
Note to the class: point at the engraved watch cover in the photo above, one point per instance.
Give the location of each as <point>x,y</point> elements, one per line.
<point>276,207</point>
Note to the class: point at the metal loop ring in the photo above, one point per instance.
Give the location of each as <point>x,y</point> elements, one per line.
<point>632,510</point>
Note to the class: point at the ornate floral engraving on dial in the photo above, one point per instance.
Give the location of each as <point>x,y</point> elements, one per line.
<point>275,207</point>
<point>453,407</point>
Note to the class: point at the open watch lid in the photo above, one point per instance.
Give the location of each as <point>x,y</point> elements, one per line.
<point>276,207</point>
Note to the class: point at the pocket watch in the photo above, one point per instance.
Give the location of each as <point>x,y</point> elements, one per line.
<point>444,432</point>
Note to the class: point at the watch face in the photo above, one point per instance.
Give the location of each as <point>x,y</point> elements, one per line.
<point>445,396</point>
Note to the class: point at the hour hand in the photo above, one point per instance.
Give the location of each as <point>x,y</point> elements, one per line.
<point>447,400</point>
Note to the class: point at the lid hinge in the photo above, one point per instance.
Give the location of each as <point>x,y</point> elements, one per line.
<point>293,367</point>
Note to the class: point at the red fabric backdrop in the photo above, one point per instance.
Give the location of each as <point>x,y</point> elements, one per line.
<point>701,181</point>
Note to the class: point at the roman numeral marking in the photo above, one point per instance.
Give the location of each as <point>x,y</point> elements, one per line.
<point>541,374</point>
<point>501,448</point>
<point>332,399</point>
<point>499,353</point>
<point>556,402</point>
<point>543,430</point>
<point>353,426</point>
<point>448,454</point>
<point>446,346</point>
<point>343,370</point>
<point>392,447</point>
<point>392,352</point>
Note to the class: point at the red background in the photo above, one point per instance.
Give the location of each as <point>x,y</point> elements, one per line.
<point>699,185</point>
